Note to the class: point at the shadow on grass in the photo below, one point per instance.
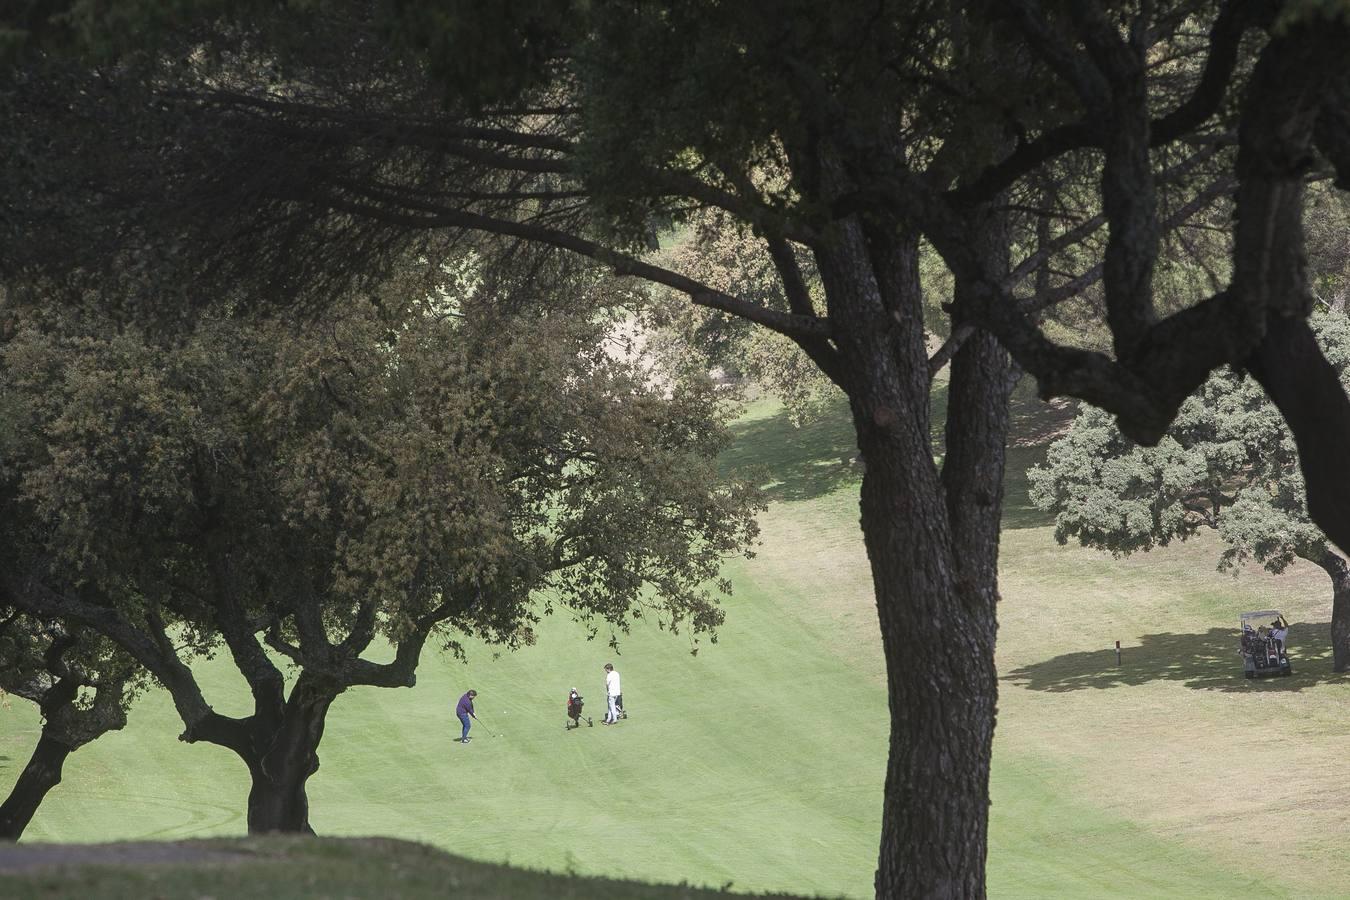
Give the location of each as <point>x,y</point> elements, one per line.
<point>1033,424</point>
<point>302,867</point>
<point>1018,510</point>
<point>816,458</point>
<point>1207,661</point>
<point>821,456</point>
<point>796,463</point>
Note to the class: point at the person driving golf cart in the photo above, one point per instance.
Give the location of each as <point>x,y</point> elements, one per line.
<point>1263,650</point>
<point>1279,632</point>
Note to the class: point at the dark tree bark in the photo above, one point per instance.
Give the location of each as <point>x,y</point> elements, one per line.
<point>932,535</point>
<point>1336,567</point>
<point>933,825</point>
<point>1304,386</point>
<point>67,665</point>
<point>932,545</point>
<point>279,742</point>
<point>286,756</point>
<point>42,773</point>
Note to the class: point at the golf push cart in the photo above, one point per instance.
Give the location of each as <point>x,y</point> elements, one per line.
<point>575,704</point>
<point>1262,648</point>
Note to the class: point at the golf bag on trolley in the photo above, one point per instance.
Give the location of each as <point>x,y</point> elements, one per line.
<point>574,707</point>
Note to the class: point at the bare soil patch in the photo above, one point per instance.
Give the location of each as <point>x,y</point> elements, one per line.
<point>28,857</point>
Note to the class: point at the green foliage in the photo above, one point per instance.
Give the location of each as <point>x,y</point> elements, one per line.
<point>799,626</point>
<point>1111,494</point>
<point>1228,462</point>
<point>1324,221</point>
<point>402,457</point>
<point>100,28</point>
<point>728,256</point>
<point>703,89</point>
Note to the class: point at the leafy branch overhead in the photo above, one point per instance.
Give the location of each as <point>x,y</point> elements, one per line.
<point>529,135</point>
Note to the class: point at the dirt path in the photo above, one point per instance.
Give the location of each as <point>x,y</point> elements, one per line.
<point>25,857</point>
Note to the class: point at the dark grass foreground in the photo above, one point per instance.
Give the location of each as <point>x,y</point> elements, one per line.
<point>294,867</point>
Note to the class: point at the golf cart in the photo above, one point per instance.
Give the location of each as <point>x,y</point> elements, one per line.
<point>1262,648</point>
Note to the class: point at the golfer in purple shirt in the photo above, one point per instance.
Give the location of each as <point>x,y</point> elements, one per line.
<point>464,710</point>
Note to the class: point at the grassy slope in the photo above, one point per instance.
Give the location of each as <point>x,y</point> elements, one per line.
<point>721,775</point>
<point>759,760</point>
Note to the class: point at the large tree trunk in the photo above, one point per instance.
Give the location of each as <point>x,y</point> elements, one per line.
<point>287,757</point>
<point>935,599</point>
<point>937,636</point>
<point>1339,570</point>
<point>42,773</point>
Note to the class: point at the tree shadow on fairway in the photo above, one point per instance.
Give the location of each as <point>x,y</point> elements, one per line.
<point>796,463</point>
<point>1018,510</point>
<point>1207,661</point>
<point>815,459</point>
<point>1034,424</point>
<point>820,456</point>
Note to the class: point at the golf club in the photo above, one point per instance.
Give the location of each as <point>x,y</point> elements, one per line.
<point>485,728</point>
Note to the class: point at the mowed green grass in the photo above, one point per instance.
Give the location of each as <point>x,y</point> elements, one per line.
<point>737,765</point>
<point>758,762</point>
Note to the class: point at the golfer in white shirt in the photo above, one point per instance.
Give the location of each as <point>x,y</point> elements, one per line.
<point>613,693</point>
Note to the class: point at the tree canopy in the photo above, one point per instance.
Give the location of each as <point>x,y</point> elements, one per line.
<point>307,490</point>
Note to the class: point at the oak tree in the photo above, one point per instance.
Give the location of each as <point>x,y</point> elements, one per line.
<point>326,495</point>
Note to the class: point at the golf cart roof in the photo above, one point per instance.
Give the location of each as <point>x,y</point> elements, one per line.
<point>1261,614</point>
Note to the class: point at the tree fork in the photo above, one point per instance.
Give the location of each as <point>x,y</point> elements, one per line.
<point>288,757</point>
<point>43,771</point>
<point>935,814</point>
